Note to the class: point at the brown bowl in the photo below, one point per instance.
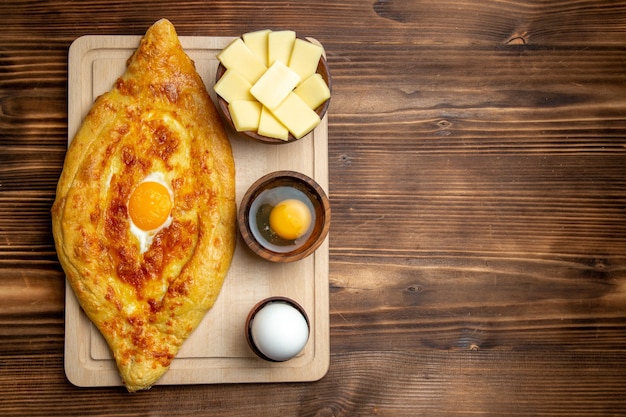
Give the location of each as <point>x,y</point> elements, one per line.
<point>267,192</point>
<point>256,309</point>
<point>322,69</point>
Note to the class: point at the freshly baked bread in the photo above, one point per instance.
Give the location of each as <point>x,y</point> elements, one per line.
<point>147,264</point>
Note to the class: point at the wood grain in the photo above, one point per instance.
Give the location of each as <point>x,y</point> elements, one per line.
<point>477,170</point>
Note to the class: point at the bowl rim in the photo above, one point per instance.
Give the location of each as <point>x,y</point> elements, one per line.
<point>259,185</point>
<point>321,110</point>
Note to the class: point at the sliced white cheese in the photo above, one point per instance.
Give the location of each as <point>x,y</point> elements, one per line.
<point>245,114</point>
<point>271,83</point>
<point>270,126</point>
<point>313,91</point>
<point>305,57</point>
<point>233,86</point>
<point>279,46</point>
<point>296,115</point>
<point>257,42</point>
<point>274,85</point>
<point>239,57</point>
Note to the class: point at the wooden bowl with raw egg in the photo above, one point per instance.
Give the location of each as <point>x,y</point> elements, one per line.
<point>267,99</point>
<point>284,216</point>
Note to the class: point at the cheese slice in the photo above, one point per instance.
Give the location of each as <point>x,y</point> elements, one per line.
<point>245,114</point>
<point>233,86</point>
<point>305,57</point>
<point>274,85</point>
<point>257,42</point>
<point>239,57</point>
<point>270,126</point>
<point>296,115</point>
<point>313,91</point>
<point>280,44</point>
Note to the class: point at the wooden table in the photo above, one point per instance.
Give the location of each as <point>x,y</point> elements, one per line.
<point>477,164</point>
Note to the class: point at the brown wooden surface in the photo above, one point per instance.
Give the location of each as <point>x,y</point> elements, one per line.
<point>477,154</point>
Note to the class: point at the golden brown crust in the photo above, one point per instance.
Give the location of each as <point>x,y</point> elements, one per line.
<point>157,118</point>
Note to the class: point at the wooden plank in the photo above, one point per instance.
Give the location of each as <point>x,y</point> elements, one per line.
<point>217,351</point>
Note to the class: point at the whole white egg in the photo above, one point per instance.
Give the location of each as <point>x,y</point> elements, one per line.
<point>279,331</point>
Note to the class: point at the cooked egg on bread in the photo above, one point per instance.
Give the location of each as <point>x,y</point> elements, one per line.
<point>149,208</point>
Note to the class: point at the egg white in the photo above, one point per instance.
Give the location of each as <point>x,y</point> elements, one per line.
<point>145,237</point>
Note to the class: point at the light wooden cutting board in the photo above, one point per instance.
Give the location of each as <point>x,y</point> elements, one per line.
<point>217,351</point>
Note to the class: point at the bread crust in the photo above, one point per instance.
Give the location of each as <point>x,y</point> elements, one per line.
<point>158,117</point>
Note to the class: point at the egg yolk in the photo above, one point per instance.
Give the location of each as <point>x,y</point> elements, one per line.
<point>149,205</point>
<point>290,219</point>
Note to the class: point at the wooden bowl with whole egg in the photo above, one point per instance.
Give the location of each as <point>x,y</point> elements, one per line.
<point>279,334</point>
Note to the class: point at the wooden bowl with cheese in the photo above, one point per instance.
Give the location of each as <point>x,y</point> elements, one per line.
<point>273,86</point>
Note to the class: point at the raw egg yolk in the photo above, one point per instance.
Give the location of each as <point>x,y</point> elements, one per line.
<point>149,205</point>
<point>290,219</point>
